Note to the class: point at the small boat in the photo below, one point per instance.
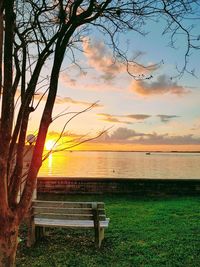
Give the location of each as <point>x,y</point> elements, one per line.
<point>148,153</point>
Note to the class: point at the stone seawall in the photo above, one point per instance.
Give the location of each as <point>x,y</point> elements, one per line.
<point>113,185</point>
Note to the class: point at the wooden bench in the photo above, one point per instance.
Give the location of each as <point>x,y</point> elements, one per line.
<point>68,215</point>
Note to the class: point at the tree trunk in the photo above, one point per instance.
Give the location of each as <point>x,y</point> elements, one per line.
<point>8,241</point>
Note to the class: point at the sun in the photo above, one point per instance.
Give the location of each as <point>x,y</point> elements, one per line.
<point>49,144</point>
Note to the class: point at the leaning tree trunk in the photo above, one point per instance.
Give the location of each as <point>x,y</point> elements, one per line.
<point>8,240</point>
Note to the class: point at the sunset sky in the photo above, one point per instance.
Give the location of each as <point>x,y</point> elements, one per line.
<point>154,114</point>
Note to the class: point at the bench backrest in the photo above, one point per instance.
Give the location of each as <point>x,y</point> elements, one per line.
<point>68,210</point>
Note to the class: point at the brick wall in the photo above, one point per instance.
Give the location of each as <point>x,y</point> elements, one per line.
<point>133,186</point>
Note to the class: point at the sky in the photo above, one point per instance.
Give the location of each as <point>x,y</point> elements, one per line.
<point>161,113</point>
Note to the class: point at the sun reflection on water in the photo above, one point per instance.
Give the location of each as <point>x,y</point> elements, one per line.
<point>50,161</point>
<point>121,165</point>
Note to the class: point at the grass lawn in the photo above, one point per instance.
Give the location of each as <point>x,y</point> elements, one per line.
<point>146,232</point>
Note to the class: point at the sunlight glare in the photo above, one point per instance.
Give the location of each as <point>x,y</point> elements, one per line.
<point>49,145</point>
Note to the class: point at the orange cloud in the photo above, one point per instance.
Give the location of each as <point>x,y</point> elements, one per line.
<point>163,85</point>
<point>128,136</point>
<point>89,81</point>
<point>111,118</point>
<point>106,73</point>
<point>67,80</point>
<point>118,118</point>
<point>101,58</point>
<point>64,100</point>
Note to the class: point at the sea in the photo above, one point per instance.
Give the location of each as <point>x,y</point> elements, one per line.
<point>107,164</point>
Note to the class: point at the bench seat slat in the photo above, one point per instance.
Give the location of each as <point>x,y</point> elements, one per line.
<point>64,204</point>
<point>65,210</point>
<point>68,223</point>
<point>68,216</point>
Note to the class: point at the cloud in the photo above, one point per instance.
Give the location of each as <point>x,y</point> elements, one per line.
<point>66,79</point>
<point>138,116</point>
<point>196,125</point>
<point>119,118</point>
<point>166,139</point>
<point>63,100</point>
<point>112,118</point>
<point>163,85</point>
<point>101,58</point>
<point>125,135</point>
<point>104,72</point>
<point>167,118</point>
<point>53,133</point>
<point>66,138</point>
<point>91,82</point>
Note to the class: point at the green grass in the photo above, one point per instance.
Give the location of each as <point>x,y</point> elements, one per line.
<point>142,232</point>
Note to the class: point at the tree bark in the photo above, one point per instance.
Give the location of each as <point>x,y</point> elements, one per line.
<point>8,240</point>
<point>1,48</point>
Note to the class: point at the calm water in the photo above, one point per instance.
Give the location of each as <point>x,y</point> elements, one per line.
<point>122,165</point>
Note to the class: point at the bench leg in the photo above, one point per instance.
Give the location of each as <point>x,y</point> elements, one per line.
<point>35,233</point>
<point>99,236</point>
<point>39,232</point>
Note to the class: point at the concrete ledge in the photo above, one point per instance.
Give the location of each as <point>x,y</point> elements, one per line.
<point>109,185</point>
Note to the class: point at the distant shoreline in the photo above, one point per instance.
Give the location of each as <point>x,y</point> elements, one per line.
<point>131,151</point>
